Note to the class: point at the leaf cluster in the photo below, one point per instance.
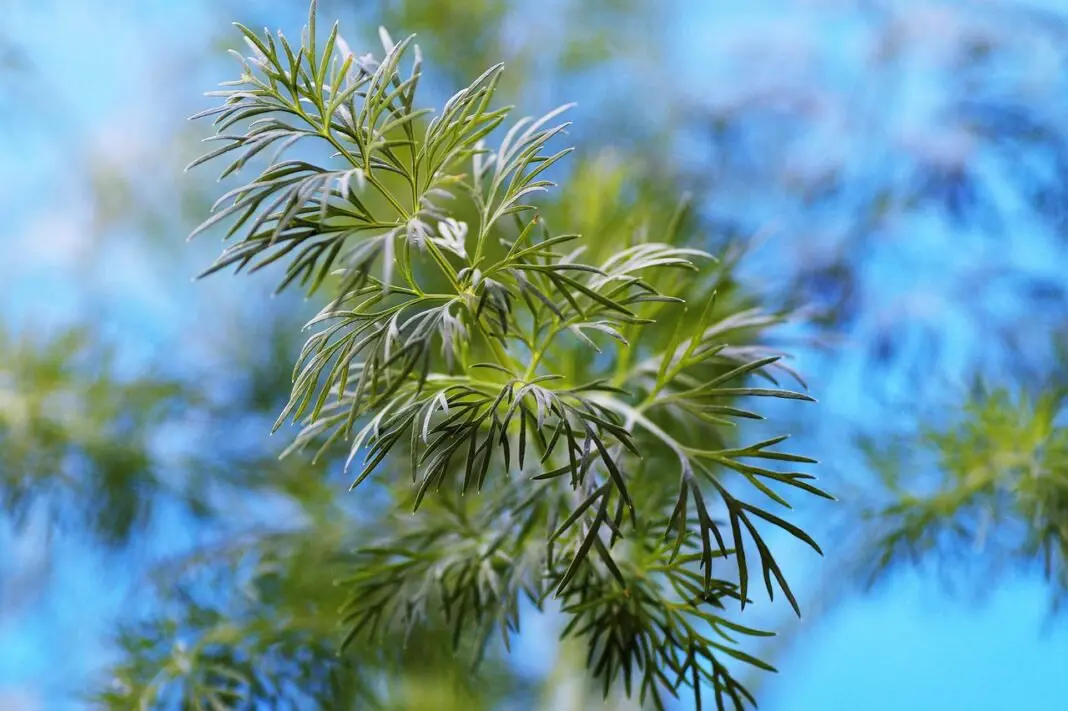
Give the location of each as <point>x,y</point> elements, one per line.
<point>541,391</point>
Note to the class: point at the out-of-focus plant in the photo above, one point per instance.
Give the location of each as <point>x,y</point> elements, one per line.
<point>906,160</point>
<point>989,489</point>
<point>77,438</point>
<point>254,621</point>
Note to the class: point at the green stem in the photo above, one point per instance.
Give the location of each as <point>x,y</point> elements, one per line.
<point>324,130</point>
<point>498,350</point>
<point>450,272</point>
<point>483,232</point>
<point>385,192</point>
<point>557,327</point>
<point>534,360</point>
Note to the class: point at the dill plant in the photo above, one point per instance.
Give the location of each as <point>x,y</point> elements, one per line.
<point>558,414</point>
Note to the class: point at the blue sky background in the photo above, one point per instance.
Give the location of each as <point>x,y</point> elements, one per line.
<point>108,89</point>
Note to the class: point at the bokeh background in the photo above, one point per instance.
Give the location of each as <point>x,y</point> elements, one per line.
<point>897,172</point>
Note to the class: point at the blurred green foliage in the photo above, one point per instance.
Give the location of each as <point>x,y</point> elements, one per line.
<point>77,437</point>
<point>985,492</point>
